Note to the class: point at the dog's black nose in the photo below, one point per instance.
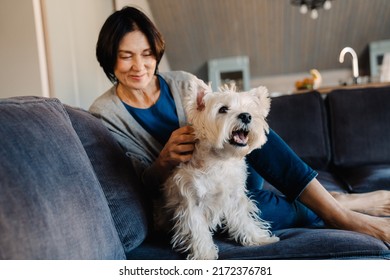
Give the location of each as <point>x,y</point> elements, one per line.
<point>245,117</point>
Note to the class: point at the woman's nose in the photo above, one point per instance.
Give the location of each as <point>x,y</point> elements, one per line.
<point>137,63</point>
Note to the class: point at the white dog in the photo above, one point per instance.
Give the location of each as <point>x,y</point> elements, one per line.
<point>209,191</point>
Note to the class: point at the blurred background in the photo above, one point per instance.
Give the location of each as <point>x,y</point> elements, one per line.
<point>48,46</point>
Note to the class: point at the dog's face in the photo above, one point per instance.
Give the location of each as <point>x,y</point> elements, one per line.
<point>232,123</point>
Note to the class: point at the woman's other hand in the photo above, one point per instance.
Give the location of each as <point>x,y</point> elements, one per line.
<point>178,149</point>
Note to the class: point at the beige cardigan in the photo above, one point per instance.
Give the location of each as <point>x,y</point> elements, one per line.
<point>139,146</point>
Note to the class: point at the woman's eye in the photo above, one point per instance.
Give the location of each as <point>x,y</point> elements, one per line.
<point>223,110</point>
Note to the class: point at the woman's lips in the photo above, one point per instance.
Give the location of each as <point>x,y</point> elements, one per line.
<point>138,76</point>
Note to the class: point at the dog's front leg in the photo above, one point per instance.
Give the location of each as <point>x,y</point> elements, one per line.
<point>192,234</point>
<point>244,225</point>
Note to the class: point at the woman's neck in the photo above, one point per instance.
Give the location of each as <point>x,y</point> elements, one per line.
<point>140,98</point>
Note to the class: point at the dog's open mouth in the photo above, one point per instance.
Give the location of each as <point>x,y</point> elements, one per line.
<point>239,137</point>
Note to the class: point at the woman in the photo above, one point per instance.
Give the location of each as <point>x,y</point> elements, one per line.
<point>144,112</point>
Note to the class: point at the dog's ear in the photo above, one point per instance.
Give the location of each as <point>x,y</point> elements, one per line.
<point>264,101</point>
<point>194,103</point>
<point>200,101</point>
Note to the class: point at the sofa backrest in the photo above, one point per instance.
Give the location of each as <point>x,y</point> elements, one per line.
<point>119,182</point>
<point>301,121</point>
<point>51,202</point>
<point>360,126</point>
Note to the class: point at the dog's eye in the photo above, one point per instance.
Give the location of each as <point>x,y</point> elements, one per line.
<point>223,110</point>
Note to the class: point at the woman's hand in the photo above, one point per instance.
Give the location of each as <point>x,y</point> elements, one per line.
<point>178,149</point>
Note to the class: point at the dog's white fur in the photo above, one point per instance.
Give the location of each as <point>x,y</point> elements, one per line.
<point>209,191</point>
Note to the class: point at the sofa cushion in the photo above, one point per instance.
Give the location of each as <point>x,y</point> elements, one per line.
<point>51,203</point>
<point>300,119</point>
<point>310,244</point>
<point>332,182</point>
<point>295,243</point>
<point>118,181</point>
<point>366,178</point>
<point>359,124</point>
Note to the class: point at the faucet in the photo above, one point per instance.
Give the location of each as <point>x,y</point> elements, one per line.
<point>355,67</point>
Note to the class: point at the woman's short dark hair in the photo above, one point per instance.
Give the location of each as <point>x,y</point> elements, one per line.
<point>116,26</point>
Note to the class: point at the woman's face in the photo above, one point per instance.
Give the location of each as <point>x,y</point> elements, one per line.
<point>135,64</point>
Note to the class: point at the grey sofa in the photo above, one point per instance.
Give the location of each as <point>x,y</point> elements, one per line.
<point>67,191</point>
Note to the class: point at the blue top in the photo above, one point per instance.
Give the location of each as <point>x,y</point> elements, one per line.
<point>160,120</point>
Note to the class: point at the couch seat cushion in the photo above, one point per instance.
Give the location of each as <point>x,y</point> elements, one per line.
<point>366,178</point>
<point>332,182</point>
<point>51,203</point>
<point>296,243</point>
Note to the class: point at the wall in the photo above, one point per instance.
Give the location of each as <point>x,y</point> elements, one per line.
<point>72,29</point>
<point>19,71</point>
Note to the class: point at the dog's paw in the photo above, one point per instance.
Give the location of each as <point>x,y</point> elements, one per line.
<point>259,239</point>
<point>269,240</point>
<point>211,254</point>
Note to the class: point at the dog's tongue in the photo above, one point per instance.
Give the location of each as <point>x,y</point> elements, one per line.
<point>240,137</point>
